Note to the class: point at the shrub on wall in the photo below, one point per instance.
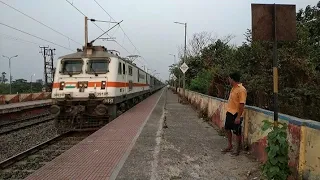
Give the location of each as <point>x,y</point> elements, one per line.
<point>276,166</point>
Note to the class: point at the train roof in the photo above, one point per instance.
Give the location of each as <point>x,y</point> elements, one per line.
<point>95,54</point>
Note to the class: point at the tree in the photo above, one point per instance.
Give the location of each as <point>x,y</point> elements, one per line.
<point>3,77</point>
<point>211,60</point>
<point>198,42</point>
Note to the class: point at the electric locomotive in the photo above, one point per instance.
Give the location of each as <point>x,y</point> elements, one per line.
<point>94,85</point>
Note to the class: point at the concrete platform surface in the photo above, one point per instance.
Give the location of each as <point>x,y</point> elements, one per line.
<point>14,107</point>
<point>138,146</point>
<point>188,148</point>
<point>101,155</point>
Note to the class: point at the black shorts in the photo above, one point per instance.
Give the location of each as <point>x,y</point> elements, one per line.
<point>230,125</point>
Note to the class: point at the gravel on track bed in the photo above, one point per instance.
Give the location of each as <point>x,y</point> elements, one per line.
<point>19,141</point>
<point>24,123</point>
<point>28,165</point>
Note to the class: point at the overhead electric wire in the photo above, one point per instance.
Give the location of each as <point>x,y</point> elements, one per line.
<point>115,31</point>
<point>105,32</point>
<point>122,31</point>
<point>39,22</point>
<point>101,28</point>
<point>84,15</point>
<point>35,36</point>
<point>19,39</point>
<point>119,26</point>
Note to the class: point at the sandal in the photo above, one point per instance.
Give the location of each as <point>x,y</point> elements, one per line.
<point>236,152</point>
<point>224,151</point>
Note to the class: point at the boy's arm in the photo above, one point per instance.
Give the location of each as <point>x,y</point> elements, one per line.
<point>242,99</point>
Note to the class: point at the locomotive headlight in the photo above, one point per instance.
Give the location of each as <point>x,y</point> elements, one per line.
<point>61,85</point>
<point>103,84</point>
<point>82,84</point>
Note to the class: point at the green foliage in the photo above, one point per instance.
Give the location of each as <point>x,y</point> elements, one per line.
<point>3,78</point>
<point>20,86</point>
<point>299,68</point>
<point>202,82</point>
<point>276,167</point>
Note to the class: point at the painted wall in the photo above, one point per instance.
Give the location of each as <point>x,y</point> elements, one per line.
<point>303,135</point>
<point>16,98</point>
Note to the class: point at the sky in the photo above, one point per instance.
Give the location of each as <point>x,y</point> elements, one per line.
<point>148,24</point>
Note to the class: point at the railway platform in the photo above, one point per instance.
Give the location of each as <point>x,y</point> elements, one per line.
<point>158,138</point>
<point>16,107</point>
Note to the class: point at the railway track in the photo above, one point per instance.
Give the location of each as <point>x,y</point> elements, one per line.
<point>25,123</point>
<point>5,123</point>
<point>25,163</point>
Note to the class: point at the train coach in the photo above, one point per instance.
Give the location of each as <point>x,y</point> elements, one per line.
<point>92,86</point>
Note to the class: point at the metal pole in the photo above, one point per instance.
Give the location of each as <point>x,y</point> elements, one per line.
<point>175,81</point>
<point>9,59</point>
<point>45,53</point>
<point>10,73</point>
<point>185,52</point>
<point>174,63</point>
<point>275,69</point>
<point>31,83</point>
<point>51,63</point>
<point>85,31</point>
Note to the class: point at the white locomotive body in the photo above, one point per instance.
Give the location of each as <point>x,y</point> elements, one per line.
<point>91,86</point>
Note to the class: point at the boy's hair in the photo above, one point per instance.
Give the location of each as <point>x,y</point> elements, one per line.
<point>235,76</point>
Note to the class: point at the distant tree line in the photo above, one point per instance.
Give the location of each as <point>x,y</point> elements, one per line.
<point>19,85</point>
<point>210,60</point>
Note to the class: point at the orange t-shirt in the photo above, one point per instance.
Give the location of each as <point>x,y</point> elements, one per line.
<point>238,94</point>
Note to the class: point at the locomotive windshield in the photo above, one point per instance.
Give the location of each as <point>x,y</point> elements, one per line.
<point>72,66</point>
<point>98,66</point>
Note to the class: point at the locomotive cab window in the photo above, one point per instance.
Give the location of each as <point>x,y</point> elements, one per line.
<point>119,68</point>
<point>124,68</point>
<point>130,70</point>
<point>98,66</point>
<point>71,66</point>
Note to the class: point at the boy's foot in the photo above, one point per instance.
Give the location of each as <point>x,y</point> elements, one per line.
<point>228,149</point>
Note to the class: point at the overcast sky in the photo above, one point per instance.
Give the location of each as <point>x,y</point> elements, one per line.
<point>148,23</point>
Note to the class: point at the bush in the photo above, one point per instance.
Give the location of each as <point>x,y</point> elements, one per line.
<point>202,82</point>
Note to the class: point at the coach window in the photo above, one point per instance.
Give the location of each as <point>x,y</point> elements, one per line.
<point>119,68</point>
<point>124,68</point>
<point>98,66</point>
<point>130,85</point>
<point>130,70</point>
<point>71,66</point>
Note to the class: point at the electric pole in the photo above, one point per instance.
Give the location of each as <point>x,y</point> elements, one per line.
<point>185,58</point>
<point>44,52</point>
<point>9,59</point>
<point>48,65</point>
<point>184,53</point>
<point>50,69</point>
